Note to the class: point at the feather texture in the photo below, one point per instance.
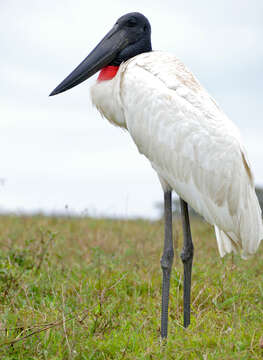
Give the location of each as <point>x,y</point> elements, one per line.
<point>194,148</point>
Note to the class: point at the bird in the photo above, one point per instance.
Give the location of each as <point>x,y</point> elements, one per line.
<point>195,149</point>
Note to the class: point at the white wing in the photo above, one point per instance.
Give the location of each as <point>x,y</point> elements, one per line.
<point>193,146</point>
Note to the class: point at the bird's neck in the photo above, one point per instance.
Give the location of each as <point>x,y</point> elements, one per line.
<point>108,73</point>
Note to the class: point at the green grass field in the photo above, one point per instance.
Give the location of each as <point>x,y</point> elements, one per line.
<point>91,289</point>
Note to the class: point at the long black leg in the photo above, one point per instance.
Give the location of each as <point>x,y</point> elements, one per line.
<point>166,261</point>
<point>187,259</point>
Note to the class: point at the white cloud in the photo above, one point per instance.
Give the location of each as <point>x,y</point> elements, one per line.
<point>59,150</point>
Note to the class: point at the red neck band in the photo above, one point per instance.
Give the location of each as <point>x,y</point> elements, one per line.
<point>107,73</point>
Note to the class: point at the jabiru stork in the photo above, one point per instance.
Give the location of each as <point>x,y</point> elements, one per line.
<point>191,144</point>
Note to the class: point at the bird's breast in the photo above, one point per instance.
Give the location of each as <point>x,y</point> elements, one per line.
<point>106,96</point>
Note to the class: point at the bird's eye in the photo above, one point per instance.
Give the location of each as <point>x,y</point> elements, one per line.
<point>132,22</point>
<point>145,28</point>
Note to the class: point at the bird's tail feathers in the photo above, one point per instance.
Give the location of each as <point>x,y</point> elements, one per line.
<point>225,243</point>
<point>250,230</point>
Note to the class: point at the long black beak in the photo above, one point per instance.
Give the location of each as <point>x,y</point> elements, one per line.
<point>101,56</point>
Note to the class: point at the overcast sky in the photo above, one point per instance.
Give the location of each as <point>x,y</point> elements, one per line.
<point>58,152</point>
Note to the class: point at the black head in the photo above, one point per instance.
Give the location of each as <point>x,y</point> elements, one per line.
<point>138,31</point>
<point>130,36</point>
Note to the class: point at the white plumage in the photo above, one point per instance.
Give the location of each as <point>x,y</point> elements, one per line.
<point>194,148</point>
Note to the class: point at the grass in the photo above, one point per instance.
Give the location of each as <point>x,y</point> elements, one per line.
<point>91,289</point>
